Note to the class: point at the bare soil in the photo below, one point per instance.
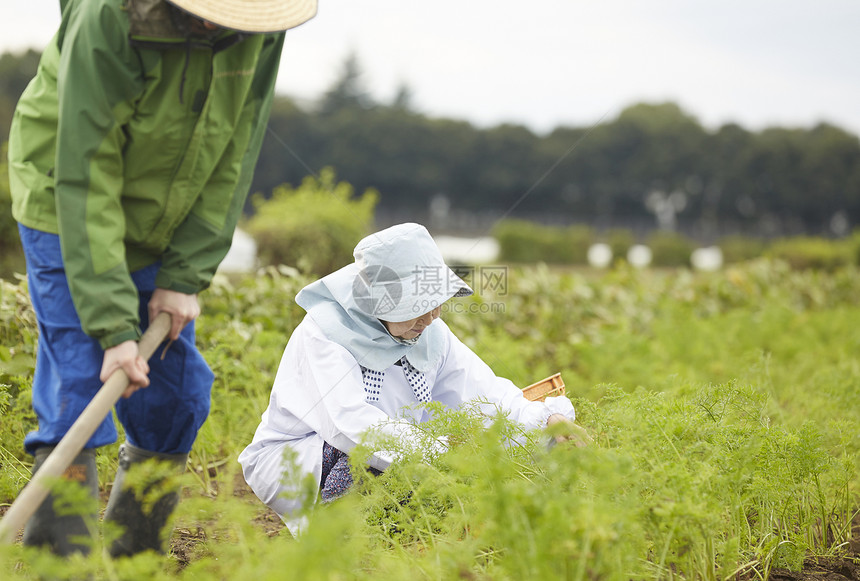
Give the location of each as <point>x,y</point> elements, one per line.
<point>822,569</point>
<point>844,567</point>
<point>186,542</point>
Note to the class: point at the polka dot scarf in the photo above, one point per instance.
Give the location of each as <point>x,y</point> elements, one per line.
<point>372,383</point>
<point>417,381</point>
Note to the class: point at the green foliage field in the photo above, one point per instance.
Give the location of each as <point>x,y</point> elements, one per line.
<point>724,409</point>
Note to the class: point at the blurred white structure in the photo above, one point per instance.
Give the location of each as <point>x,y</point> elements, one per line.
<point>599,255</point>
<point>666,207</point>
<point>456,250</point>
<point>639,256</point>
<point>242,256</point>
<point>707,259</point>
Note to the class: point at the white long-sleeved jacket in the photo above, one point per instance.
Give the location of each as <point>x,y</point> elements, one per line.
<point>319,396</point>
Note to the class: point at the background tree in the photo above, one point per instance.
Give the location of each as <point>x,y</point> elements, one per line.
<point>11,254</point>
<point>402,99</point>
<point>347,92</point>
<point>16,70</point>
<point>652,166</point>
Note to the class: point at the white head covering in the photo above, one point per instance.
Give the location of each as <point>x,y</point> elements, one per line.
<point>398,275</point>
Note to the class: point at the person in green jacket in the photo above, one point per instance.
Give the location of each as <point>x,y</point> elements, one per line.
<point>130,157</point>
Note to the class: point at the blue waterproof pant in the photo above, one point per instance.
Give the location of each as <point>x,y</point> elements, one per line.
<point>164,417</point>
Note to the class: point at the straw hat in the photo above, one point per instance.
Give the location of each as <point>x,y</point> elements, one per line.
<point>251,15</point>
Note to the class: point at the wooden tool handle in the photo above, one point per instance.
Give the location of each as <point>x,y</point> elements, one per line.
<point>73,442</point>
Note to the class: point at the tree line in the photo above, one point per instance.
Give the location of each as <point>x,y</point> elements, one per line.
<point>653,166</point>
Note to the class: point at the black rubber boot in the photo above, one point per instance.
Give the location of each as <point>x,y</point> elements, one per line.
<point>64,526</point>
<point>142,503</point>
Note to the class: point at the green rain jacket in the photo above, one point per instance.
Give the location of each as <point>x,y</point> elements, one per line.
<point>136,145</point>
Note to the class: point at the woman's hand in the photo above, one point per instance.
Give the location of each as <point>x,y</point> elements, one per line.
<point>126,356</point>
<point>574,433</point>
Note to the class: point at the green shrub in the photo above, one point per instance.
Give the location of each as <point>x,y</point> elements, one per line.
<point>854,242</point>
<point>18,334</point>
<point>806,252</point>
<point>739,248</point>
<point>670,249</point>
<point>313,227</point>
<point>575,241</point>
<point>519,240</point>
<point>620,241</point>
<point>528,242</point>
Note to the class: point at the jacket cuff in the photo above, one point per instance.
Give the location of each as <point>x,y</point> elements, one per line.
<point>163,280</point>
<point>115,339</point>
<point>559,405</point>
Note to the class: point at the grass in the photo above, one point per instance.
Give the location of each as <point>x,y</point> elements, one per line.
<point>724,409</point>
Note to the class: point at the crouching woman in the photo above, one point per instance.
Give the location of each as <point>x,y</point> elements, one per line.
<point>370,348</point>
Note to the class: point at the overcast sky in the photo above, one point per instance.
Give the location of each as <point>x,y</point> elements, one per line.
<point>545,63</point>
